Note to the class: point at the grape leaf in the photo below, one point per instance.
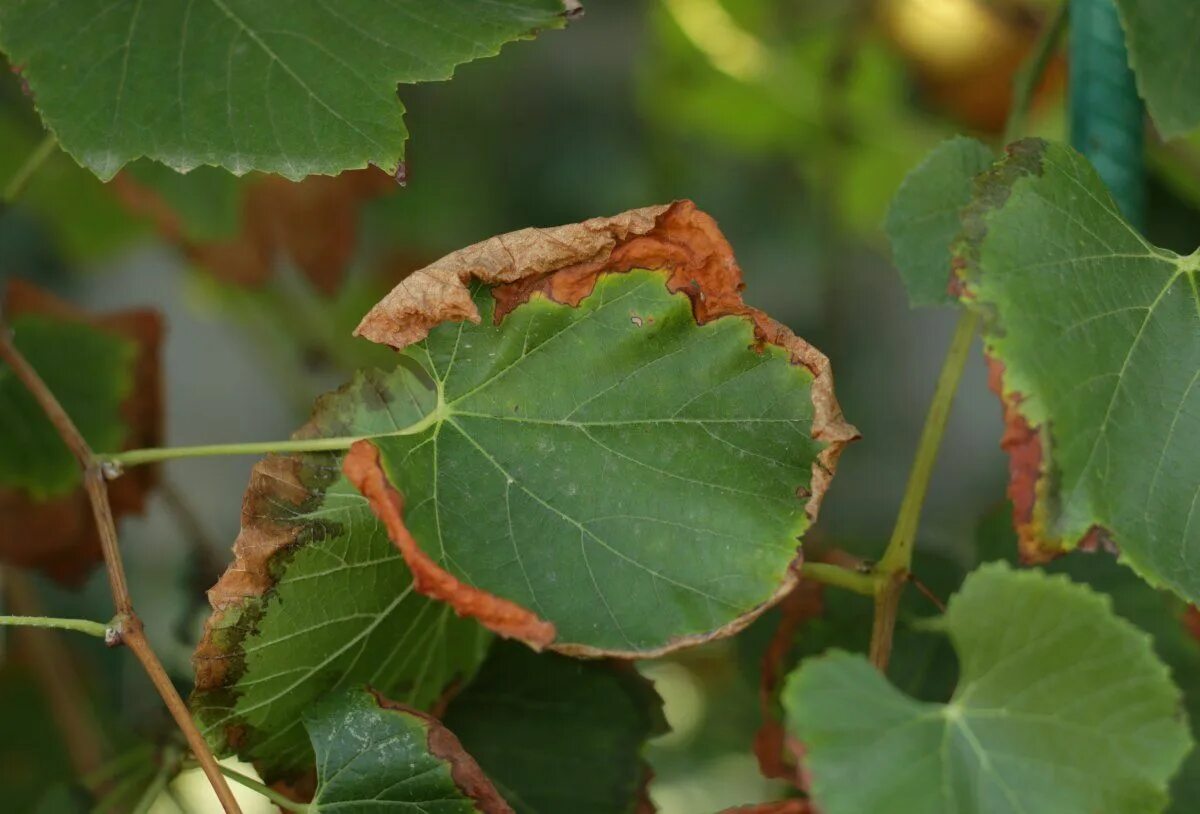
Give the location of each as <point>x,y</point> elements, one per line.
<point>922,220</point>
<point>239,229</point>
<point>1094,340</point>
<point>318,599</point>
<point>241,85</point>
<point>1061,706</point>
<point>1161,36</point>
<point>616,467</point>
<point>374,755</point>
<point>105,372</point>
<point>557,734</point>
<point>1171,623</point>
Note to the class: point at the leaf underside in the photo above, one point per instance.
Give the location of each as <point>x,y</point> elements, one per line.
<point>1095,336</point>
<point>243,85</point>
<point>1060,706</point>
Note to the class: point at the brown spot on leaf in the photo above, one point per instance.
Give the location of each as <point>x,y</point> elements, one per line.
<point>362,467</point>
<point>467,774</point>
<point>1024,446</point>
<point>313,223</point>
<point>563,263</point>
<point>58,536</point>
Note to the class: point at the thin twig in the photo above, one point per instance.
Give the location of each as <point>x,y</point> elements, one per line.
<point>58,679</point>
<point>130,627</point>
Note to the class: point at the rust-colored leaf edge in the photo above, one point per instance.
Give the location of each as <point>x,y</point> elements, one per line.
<point>363,469</point>
<point>1029,447</point>
<point>562,263</point>
<point>444,744</point>
<point>67,545</point>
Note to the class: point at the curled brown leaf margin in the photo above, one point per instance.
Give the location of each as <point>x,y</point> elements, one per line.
<point>464,770</point>
<point>562,264</point>
<point>59,537</point>
<point>362,468</point>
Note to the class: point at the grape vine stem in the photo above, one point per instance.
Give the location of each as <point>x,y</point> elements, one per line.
<point>894,569</point>
<point>127,624</point>
<point>895,564</point>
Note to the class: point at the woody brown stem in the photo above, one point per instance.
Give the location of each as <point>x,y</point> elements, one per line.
<point>130,627</point>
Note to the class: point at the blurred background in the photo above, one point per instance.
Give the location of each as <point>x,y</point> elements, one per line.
<point>790,121</point>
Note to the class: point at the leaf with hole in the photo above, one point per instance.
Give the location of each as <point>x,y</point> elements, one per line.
<point>1061,706</point>
<point>374,755</point>
<point>1093,336</point>
<point>240,85</point>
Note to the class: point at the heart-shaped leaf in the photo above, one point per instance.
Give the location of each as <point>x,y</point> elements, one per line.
<point>603,463</point>
<point>243,84</point>
<point>1060,706</point>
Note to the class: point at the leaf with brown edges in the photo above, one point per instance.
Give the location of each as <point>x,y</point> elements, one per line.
<point>628,455</point>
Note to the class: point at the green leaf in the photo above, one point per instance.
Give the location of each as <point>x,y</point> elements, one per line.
<point>1159,613</point>
<point>375,756</point>
<point>90,371</point>
<point>241,84</point>
<point>1096,335</point>
<point>631,477</point>
<point>1161,38</point>
<point>1061,706</point>
<point>319,599</point>
<point>557,734</point>
<point>922,220</point>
